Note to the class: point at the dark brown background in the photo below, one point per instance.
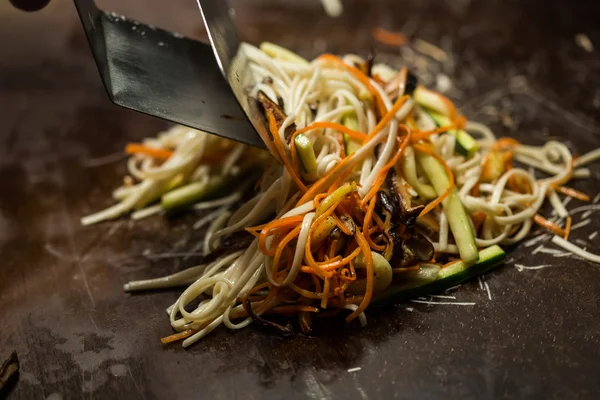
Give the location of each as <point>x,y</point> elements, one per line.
<point>79,335</point>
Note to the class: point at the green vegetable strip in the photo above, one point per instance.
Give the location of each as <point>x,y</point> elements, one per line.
<point>306,153</point>
<point>458,219</point>
<point>192,193</point>
<point>337,194</point>
<point>409,168</point>
<point>465,144</point>
<point>350,121</point>
<point>450,276</point>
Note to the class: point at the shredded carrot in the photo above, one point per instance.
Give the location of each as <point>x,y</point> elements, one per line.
<point>358,74</point>
<point>332,125</point>
<point>278,224</point>
<point>367,227</point>
<point>418,136</point>
<point>350,161</point>
<point>364,246</point>
<point>325,293</point>
<point>338,182</point>
<point>574,193</point>
<point>281,245</point>
<point>568,228</point>
<point>316,223</point>
<point>279,145</point>
<point>340,263</point>
<point>138,148</point>
<point>318,198</point>
<point>253,233</point>
<point>304,292</point>
<point>551,226</point>
<point>178,336</point>
<point>318,271</point>
<point>388,37</point>
<point>332,248</point>
<point>318,186</point>
<point>388,117</point>
<point>394,160</point>
<point>425,149</point>
<point>559,182</point>
<point>505,143</point>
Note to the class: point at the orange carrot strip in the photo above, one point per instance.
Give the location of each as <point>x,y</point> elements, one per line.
<point>340,263</point>
<point>277,224</point>
<point>367,227</point>
<point>138,148</point>
<point>568,228</point>
<point>338,182</point>
<point>281,245</point>
<point>332,125</point>
<point>418,136</point>
<point>178,336</point>
<point>364,246</point>
<point>388,37</point>
<point>317,271</point>
<point>505,143</point>
<point>559,182</point>
<point>279,145</point>
<point>253,233</point>
<point>316,223</point>
<point>574,193</point>
<point>551,226</point>
<point>305,293</point>
<point>388,117</point>
<point>325,297</point>
<point>350,161</point>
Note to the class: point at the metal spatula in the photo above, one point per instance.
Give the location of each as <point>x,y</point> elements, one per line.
<point>175,78</point>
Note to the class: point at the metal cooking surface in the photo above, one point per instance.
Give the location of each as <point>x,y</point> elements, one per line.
<point>79,335</point>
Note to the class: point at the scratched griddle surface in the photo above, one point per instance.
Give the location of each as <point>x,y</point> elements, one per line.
<point>78,335</point>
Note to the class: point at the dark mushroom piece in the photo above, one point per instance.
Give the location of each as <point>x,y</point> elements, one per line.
<point>387,203</point>
<point>408,214</point>
<point>369,63</point>
<point>285,331</point>
<point>349,224</point>
<point>276,109</point>
<point>393,86</point>
<point>415,248</point>
<point>411,83</point>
